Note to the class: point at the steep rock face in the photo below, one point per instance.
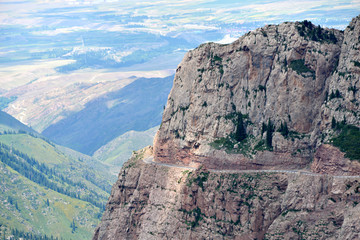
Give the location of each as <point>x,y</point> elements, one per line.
<point>294,76</point>
<point>345,79</point>
<point>159,202</point>
<point>281,73</point>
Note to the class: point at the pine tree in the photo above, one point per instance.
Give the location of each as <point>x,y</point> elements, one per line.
<point>326,96</point>
<point>344,121</point>
<point>337,94</point>
<point>332,95</point>
<point>269,132</point>
<point>73,226</point>
<point>333,123</point>
<point>240,133</point>
<point>284,129</point>
<point>332,37</point>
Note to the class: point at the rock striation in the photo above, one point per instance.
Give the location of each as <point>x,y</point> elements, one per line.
<point>280,97</point>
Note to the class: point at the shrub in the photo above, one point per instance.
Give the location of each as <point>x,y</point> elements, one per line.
<point>217,58</point>
<point>353,89</point>
<point>348,141</point>
<point>300,67</point>
<point>262,88</point>
<point>337,94</point>
<point>356,63</point>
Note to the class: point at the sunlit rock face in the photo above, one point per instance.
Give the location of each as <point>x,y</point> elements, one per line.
<point>294,82</point>
<point>282,73</point>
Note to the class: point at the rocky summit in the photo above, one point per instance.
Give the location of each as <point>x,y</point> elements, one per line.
<point>259,140</point>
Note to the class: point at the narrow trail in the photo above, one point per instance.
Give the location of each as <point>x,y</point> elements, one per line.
<point>150,160</point>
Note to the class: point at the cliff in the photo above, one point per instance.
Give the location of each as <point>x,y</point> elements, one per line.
<point>150,201</point>
<point>293,73</point>
<point>259,140</point>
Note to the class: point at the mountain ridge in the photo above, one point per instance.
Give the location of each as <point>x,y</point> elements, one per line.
<point>101,115</point>
<point>7,121</point>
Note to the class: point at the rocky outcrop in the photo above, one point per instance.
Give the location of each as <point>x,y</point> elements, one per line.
<point>293,73</point>
<point>159,202</point>
<point>345,80</point>
<point>271,100</point>
<point>330,160</point>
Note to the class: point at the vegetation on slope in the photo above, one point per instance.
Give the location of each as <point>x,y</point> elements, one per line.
<point>8,122</point>
<point>32,208</point>
<point>120,149</point>
<point>47,153</point>
<point>238,141</point>
<point>16,234</point>
<point>310,32</point>
<point>348,141</point>
<point>300,68</point>
<point>45,192</point>
<point>48,177</point>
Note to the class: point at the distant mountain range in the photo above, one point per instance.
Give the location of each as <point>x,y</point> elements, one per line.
<point>138,106</point>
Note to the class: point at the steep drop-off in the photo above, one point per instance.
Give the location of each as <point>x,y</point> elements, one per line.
<point>159,202</point>
<point>282,97</point>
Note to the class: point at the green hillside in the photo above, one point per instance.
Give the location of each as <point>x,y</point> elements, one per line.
<point>30,207</point>
<point>47,191</point>
<point>8,122</point>
<point>50,155</point>
<point>120,149</point>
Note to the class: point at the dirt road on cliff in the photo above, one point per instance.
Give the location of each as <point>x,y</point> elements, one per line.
<point>150,160</point>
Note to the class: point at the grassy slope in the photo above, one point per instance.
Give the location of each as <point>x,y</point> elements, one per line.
<point>8,122</point>
<point>120,149</point>
<point>51,155</point>
<point>33,215</point>
<point>36,148</point>
<point>4,128</point>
